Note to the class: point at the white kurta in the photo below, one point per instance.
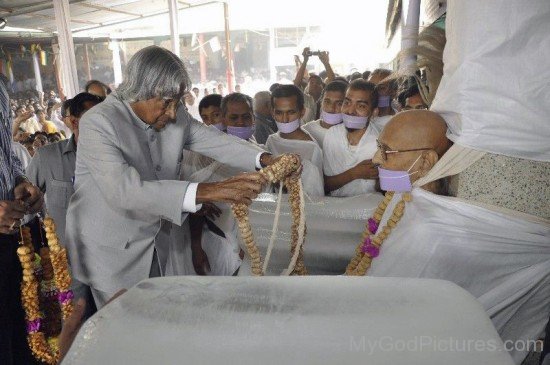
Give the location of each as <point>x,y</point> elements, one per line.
<point>317,131</point>
<point>339,156</point>
<point>503,261</point>
<point>222,253</point>
<point>379,123</point>
<point>312,160</point>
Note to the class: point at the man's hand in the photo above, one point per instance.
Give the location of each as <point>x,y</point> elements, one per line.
<point>209,210</point>
<point>236,190</point>
<point>200,260</point>
<point>365,170</point>
<point>323,57</point>
<point>305,54</point>
<point>30,195</point>
<point>11,212</point>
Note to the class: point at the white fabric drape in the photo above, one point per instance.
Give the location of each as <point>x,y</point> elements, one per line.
<point>66,48</point>
<point>494,93</point>
<point>502,260</point>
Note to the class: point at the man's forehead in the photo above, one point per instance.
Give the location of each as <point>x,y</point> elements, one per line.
<point>285,102</point>
<point>358,95</point>
<point>334,95</point>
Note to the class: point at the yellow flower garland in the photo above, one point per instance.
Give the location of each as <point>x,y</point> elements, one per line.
<point>52,264</point>
<point>372,241</point>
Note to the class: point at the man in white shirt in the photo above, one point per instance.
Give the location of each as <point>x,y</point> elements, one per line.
<point>349,147</point>
<point>331,111</point>
<point>288,108</point>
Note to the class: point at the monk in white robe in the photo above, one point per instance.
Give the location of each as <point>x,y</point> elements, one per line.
<point>288,109</point>
<point>349,147</point>
<point>501,257</point>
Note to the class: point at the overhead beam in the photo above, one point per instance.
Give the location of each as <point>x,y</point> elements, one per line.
<point>73,20</point>
<point>123,21</point>
<point>105,8</point>
<point>44,5</point>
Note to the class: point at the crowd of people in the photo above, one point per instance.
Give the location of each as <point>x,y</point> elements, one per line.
<point>138,158</point>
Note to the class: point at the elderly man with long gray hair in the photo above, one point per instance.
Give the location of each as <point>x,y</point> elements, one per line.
<point>127,192</point>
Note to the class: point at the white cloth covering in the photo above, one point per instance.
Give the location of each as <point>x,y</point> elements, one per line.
<point>222,253</point>
<point>21,153</point>
<point>339,156</point>
<point>291,321</point>
<point>380,122</point>
<point>317,131</point>
<point>494,92</point>
<point>503,261</point>
<point>31,126</point>
<point>312,160</point>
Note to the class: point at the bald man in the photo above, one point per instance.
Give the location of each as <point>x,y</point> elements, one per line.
<point>501,259</point>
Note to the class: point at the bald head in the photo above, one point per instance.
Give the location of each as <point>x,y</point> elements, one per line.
<point>416,129</point>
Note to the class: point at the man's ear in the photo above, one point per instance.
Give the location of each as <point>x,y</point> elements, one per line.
<point>427,162</point>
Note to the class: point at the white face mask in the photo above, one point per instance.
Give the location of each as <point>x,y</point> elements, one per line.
<point>288,127</point>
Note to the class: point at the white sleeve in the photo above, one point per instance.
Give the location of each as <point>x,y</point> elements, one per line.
<point>190,199</point>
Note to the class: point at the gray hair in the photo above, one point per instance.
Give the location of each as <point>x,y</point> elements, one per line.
<point>236,97</point>
<point>261,99</point>
<point>154,72</point>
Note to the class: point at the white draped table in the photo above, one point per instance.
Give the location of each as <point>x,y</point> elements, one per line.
<point>290,320</point>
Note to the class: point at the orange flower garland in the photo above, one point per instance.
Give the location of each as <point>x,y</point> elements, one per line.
<point>373,237</point>
<point>51,269</point>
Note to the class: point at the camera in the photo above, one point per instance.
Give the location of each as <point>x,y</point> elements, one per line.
<point>313,53</point>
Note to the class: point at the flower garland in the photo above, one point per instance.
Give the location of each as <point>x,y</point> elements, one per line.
<point>372,238</point>
<point>277,172</point>
<point>50,269</point>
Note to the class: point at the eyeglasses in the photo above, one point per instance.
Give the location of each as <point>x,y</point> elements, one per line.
<point>384,151</point>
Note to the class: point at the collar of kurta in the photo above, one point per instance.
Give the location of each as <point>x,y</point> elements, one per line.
<point>135,119</point>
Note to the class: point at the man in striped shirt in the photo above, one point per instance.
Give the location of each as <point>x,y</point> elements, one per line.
<point>17,198</point>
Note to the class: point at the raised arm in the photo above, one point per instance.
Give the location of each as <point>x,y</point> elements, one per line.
<point>323,57</point>
<point>300,73</point>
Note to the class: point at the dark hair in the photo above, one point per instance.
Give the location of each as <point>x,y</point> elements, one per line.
<point>97,82</point>
<point>52,137</point>
<point>381,71</point>
<point>407,93</point>
<point>316,77</point>
<point>65,108</point>
<point>236,97</point>
<point>287,91</point>
<point>274,86</point>
<point>367,86</point>
<point>356,75</point>
<point>77,106</point>
<point>210,100</point>
<point>337,85</point>
<point>366,75</point>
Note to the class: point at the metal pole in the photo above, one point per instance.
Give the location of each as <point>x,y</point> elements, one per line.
<point>66,47</point>
<point>272,68</point>
<point>228,53</point>
<point>174,27</point>
<point>57,68</point>
<point>87,61</point>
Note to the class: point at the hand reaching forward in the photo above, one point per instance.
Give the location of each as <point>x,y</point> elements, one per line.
<point>240,189</point>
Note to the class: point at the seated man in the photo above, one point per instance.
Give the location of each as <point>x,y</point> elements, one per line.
<point>349,147</point>
<point>287,102</point>
<point>501,258</point>
<point>331,111</point>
